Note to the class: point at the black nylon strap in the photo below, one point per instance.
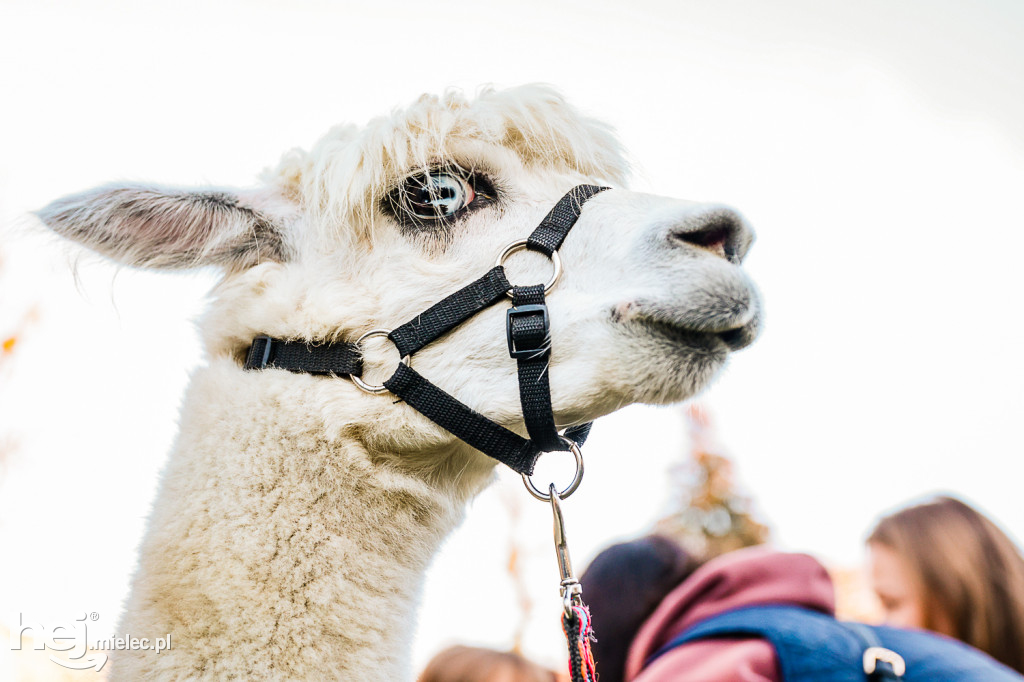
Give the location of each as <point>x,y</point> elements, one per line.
<point>530,335</point>
<point>341,359</point>
<point>551,232</point>
<point>527,330</point>
<point>462,421</point>
<point>450,312</point>
<point>578,434</point>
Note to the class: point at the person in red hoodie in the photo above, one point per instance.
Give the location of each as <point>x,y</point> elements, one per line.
<point>642,594</point>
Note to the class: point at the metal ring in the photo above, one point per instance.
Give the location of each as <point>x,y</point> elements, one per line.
<point>546,497</point>
<point>519,246</point>
<point>370,388</point>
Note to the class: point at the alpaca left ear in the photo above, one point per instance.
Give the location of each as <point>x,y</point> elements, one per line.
<point>156,227</point>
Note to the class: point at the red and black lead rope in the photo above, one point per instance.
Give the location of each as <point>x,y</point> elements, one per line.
<point>578,632</point>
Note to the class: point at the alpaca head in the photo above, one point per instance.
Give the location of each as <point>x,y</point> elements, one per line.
<point>375,224</point>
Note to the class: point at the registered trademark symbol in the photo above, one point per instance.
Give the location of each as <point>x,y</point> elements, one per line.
<point>94,616</point>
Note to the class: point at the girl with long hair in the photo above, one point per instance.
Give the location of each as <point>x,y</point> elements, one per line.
<point>944,566</point>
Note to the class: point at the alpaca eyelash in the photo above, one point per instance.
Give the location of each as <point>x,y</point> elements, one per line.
<point>412,215</point>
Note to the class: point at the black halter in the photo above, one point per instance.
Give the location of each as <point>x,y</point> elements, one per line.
<point>529,342</point>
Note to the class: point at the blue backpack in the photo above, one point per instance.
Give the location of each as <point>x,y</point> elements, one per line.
<point>814,647</point>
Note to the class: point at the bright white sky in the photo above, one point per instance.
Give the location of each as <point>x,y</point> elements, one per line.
<point>878,148</point>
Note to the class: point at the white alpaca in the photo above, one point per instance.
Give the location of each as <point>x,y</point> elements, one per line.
<point>297,514</point>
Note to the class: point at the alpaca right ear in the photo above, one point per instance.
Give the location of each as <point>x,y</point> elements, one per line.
<point>155,227</point>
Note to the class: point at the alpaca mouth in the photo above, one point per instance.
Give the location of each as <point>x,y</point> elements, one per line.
<point>732,339</point>
<point>724,330</point>
<point>740,337</point>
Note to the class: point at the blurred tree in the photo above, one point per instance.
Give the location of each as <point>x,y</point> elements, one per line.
<point>709,516</point>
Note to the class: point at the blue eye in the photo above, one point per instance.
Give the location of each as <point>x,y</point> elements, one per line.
<point>436,195</point>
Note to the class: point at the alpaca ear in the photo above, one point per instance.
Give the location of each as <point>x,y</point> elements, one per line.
<point>157,227</point>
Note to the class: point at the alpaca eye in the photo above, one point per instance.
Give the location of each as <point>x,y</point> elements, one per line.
<point>436,196</point>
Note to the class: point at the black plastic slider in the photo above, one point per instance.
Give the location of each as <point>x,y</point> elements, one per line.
<point>528,330</point>
<point>259,352</point>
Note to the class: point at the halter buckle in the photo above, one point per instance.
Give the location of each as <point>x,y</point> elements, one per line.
<point>520,348</point>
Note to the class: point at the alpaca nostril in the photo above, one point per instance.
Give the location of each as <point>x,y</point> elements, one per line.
<point>719,231</point>
<point>713,238</point>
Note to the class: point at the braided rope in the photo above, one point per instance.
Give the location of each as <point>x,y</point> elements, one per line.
<point>579,631</point>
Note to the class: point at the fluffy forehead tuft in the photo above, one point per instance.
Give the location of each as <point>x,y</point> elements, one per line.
<point>343,178</point>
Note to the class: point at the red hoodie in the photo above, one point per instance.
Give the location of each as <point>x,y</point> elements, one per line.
<point>743,578</point>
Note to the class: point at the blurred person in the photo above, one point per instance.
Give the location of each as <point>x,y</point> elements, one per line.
<point>637,608</point>
<point>751,615</point>
<point>944,566</point>
<point>476,664</point>
<point>622,586</point>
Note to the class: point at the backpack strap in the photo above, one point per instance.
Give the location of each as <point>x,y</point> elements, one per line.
<point>802,640</point>
<point>815,647</point>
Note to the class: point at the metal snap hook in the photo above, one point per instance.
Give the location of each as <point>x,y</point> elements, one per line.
<point>571,488</point>
<point>519,245</point>
<point>570,587</point>
<point>370,388</point>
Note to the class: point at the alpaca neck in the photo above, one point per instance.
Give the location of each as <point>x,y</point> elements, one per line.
<point>276,551</point>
